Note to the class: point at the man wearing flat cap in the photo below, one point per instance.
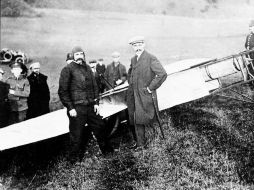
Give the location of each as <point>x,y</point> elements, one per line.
<point>115,73</point>
<point>18,93</point>
<point>38,100</point>
<point>78,92</point>
<point>145,75</point>
<point>4,108</point>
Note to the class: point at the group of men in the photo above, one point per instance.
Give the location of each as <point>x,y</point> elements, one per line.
<point>145,75</point>
<point>78,91</point>
<point>23,97</point>
<point>106,77</point>
<point>79,86</point>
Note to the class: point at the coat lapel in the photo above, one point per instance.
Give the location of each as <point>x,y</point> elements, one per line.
<point>137,62</point>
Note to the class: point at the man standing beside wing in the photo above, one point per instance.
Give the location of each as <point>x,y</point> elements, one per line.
<point>145,75</point>
<point>78,91</point>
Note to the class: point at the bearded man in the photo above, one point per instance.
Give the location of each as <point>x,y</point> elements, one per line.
<point>78,91</point>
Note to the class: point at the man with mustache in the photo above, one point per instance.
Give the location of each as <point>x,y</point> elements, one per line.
<point>38,100</point>
<point>145,75</point>
<point>78,91</point>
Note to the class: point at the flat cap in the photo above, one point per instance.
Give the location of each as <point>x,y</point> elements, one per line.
<point>115,54</point>
<point>137,39</point>
<point>35,65</point>
<point>251,23</point>
<point>1,71</point>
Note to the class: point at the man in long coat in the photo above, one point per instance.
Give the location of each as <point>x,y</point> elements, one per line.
<point>4,109</point>
<point>38,100</point>
<point>145,75</point>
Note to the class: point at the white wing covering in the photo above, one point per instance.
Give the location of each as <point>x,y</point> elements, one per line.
<point>181,87</point>
<point>114,102</point>
<point>47,126</point>
<point>183,84</point>
<point>52,124</point>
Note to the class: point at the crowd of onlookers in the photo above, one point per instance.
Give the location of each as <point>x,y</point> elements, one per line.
<point>23,95</point>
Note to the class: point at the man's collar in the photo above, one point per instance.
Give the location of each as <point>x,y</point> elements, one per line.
<point>118,63</point>
<point>139,53</point>
<point>19,78</point>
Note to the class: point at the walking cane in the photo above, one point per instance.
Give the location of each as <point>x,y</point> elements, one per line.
<point>157,115</point>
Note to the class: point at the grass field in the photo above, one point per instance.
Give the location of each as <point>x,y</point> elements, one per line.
<point>209,143</point>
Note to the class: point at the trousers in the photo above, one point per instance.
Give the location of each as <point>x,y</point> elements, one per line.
<point>80,133</point>
<point>144,134</point>
<point>17,116</point>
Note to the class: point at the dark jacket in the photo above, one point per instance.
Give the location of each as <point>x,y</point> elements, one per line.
<point>21,86</point>
<point>109,74</point>
<point>38,100</point>
<point>146,72</point>
<point>4,108</point>
<point>77,85</point>
<point>100,69</point>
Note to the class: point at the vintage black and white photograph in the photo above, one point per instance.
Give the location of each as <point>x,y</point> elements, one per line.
<point>127,95</point>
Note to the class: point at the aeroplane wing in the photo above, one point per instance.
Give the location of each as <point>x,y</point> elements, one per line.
<point>52,124</point>
<point>187,80</point>
<point>46,126</point>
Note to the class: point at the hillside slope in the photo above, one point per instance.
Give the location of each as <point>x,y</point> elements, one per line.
<point>189,8</point>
